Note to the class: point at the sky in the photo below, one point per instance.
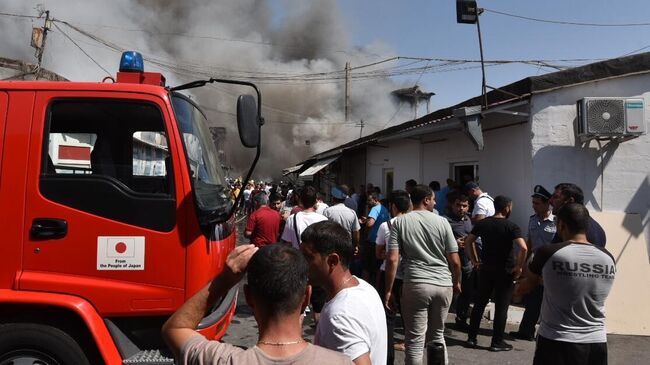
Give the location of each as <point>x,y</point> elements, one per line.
<point>428,29</point>
<point>269,38</point>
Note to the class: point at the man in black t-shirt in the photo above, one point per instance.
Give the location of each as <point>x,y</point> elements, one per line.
<point>497,268</point>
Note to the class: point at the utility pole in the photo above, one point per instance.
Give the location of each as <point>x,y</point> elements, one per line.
<point>347,91</point>
<point>39,35</point>
<point>360,124</point>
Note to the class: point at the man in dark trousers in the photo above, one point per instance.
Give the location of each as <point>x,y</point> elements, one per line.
<point>497,268</point>
<point>571,193</point>
<point>461,224</point>
<point>541,230</point>
<point>578,277</point>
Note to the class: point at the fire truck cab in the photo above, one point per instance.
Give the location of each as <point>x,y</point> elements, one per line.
<point>115,210</point>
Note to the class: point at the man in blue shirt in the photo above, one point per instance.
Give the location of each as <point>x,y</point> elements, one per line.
<point>378,214</point>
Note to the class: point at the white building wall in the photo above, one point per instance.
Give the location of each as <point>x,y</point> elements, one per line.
<point>557,158</point>
<point>504,164</point>
<point>403,156</point>
<point>625,189</point>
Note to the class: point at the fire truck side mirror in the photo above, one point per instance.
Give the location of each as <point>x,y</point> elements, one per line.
<point>248,121</point>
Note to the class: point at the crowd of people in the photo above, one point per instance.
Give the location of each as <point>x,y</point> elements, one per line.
<point>364,260</point>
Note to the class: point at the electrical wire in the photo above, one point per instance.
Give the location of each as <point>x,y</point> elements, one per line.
<point>567,22</point>
<point>20,15</point>
<point>393,117</point>
<point>81,49</point>
<point>217,38</point>
<point>330,76</point>
<point>636,50</point>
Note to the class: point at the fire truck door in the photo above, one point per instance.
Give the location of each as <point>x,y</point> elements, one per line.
<point>102,202</point>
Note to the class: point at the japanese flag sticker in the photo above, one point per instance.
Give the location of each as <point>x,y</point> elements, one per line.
<point>120,253</point>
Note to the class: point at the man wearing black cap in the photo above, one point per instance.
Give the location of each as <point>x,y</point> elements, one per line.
<point>541,229</point>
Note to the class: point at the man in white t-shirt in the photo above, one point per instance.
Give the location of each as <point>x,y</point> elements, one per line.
<point>296,223</point>
<point>483,202</point>
<point>352,320</point>
<point>483,208</point>
<point>293,228</point>
<point>320,204</point>
<point>248,202</point>
<point>277,292</point>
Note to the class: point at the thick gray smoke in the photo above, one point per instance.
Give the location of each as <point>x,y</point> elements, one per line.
<point>302,118</point>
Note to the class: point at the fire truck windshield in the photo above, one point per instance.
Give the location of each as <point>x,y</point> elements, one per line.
<point>211,191</point>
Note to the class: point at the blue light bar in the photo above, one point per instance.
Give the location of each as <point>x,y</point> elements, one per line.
<point>131,62</point>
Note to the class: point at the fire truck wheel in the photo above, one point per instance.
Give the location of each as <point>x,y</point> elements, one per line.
<point>30,343</point>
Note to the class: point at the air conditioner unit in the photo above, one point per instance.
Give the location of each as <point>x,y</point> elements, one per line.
<point>612,117</point>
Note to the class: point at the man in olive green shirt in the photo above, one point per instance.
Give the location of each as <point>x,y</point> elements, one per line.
<point>431,272</point>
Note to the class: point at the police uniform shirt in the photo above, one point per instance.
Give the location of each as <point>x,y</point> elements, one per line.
<point>541,232</point>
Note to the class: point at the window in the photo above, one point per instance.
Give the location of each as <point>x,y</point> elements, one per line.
<point>464,172</point>
<point>149,154</point>
<point>71,151</point>
<point>109,158</point>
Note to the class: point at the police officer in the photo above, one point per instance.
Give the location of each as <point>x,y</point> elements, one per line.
<point>541,230</point>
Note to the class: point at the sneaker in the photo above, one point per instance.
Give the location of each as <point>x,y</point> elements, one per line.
<point>520,336</point>
<point>501,346</point>
<point>471,343</point>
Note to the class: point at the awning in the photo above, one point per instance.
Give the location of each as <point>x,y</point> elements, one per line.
<point>319,165</point>
<point>291,169</point>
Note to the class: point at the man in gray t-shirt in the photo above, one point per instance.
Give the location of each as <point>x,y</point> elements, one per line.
<point>578,277</point>
<point>343,215</point>
<point>429,250</point>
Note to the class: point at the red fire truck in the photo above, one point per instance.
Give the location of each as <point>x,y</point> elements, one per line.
<point>114,211</point>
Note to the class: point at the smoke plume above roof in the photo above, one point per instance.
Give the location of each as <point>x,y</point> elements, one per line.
<point>196,39</point>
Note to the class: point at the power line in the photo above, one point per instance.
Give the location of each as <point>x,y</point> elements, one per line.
<point>636,50</point>
<point>81,49</point>
<point>217,38</point>
<point>393,117</point>
<point>567,22</point>
<point>20,16</point>
<point>263,77</point>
